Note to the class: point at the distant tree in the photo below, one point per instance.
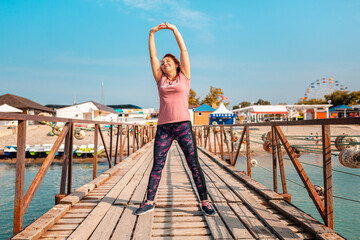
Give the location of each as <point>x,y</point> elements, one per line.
<point>214,96</point>
<point>338,98</point>
<point>354,98</point>
<point>282,103</point>
<point>193,100</point>
<point>262,102</point>
<point>312,101</point>
<point>242,104</point>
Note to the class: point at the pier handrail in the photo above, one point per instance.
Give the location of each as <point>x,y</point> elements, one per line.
<point>141,134</point>
<point>276,135</point>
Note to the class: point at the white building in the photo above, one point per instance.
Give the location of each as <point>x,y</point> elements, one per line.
<point>258,113</point>
<point>88,111</point>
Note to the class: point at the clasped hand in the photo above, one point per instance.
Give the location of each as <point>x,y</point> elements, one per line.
<point>164,25</point>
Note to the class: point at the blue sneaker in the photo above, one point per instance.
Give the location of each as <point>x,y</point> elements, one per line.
<point>144,208</point>
<point>208,209</point>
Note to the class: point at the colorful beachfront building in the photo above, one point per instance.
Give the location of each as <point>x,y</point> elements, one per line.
<point>13,103</point>
<point>259,113</point>
<point>88,111</point>
<point>201,114</point>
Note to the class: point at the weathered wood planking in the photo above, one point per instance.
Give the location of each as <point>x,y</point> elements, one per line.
<point>86,228</point>
<point>103,208</point>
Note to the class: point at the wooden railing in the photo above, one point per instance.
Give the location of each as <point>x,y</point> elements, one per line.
<point>140,134</point>
<point>276,135</point>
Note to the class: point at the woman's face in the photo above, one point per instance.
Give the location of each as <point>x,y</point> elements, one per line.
<point>168,65</point>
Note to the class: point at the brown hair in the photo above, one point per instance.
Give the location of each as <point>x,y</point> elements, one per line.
<point>175,60</point>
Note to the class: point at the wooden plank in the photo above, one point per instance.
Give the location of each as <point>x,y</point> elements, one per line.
<point>180,232</point>
<point>220,185</point>
<point>204,237</point>
<point>70,220</point>
<point>42,224</point>
<point>267,217</point>
<point>173,225</point>
<point>86,228</point>
<point>107,224</point>
<point>63,227</point>
<point>125,226</point>
<point>75,215</point>
<point>176,204</point>
<point>177,214</point>
<point>144,226</point>
<point>217,227</point>
<point>235,226</point>
<point>213,192</point>
<point>140,191</point>
<point>57,234</point>
<point>127,192</point>
<point>300,218</point>
<point>180,219</point>
<point>252,223</point>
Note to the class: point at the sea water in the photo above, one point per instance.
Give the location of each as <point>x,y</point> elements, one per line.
<point>346,213</point>
<point>44,198</point>
<point>346,184</point>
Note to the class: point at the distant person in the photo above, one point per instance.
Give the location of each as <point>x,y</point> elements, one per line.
<point>13,128</point>
<point>173,81</point>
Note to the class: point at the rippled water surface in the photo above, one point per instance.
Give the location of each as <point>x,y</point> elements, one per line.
<point>45,196</point>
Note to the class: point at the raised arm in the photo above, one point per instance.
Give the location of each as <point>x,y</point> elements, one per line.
<point>155,64</point>
<point>184,55</point>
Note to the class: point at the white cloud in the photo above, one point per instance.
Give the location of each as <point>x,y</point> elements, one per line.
<point>177,12</point>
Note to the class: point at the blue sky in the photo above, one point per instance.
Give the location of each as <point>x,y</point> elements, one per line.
<point>54,50</point>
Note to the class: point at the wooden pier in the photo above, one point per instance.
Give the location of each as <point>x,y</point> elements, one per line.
<point>103,208</point>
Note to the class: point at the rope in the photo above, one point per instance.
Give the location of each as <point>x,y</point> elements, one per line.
<point>343,198</point>
<point>335,170</point>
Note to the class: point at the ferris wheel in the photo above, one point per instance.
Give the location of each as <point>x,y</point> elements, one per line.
<point>319,88</point>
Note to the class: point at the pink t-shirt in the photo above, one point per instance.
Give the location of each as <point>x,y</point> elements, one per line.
<point>174,99</point>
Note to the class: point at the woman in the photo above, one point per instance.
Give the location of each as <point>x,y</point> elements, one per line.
<point>173,81</point>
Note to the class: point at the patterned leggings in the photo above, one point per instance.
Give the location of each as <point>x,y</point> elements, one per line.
<point>183,134</point>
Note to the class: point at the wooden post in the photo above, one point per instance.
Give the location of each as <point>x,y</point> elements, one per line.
<point>121,143</point>
<point>301,172</point>
<point>111,140</point>
<point>117,144</point>
<point>106,150</point>
<point>231,140</point>
<point>275,184</point>
<point>209,137</point>
<point>64,166</point>
<point>128,141</point>
<point>133,134</point>
<point>248,155</point>
<point>228,148</point>
<point>137,137</point>
<point>206,136</point>
<point>221,144</point>
<point>281,166</point>
<point>43,169</point>
<point>19,179</point>
<point>71,145</point>
<point>329,208</point>
<point>96,136</point>
<point>239,147</point>
<point>215,136</point>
